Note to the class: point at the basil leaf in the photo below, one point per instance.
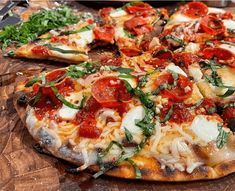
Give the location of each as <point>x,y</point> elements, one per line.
<point>222,138</point>
<point>168,115</point>
<point>128,135</point>
<point>227,93</point>
<point>143,81</point>
<point>138,174</point>
<point>33,81</point>
<point>128,87</point>
<point>175,39</point>
<point>121,70</point>
<point>143,98</point>
<point>129,34</point>
<point>126,76</point>
<point>64,101</point>
<point>55,48</point>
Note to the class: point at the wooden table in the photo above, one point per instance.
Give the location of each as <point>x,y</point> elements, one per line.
<point>23,169</point>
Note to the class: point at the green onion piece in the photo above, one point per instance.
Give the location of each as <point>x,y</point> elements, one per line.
<point>64,101</point>
<point>138,174</point>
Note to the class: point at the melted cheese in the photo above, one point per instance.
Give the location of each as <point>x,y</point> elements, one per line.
<point>86,37</point>
<point>129,120</point>
<point>195,72</point>
<point>118,13</point>
<point>67,113</point>
<point>119,33</point>
<point>206,129</point>
<point>229,24</point>
<point>215,10</point>
<point>228,47</point>
<point>176,69</point>
<point>192,47</point>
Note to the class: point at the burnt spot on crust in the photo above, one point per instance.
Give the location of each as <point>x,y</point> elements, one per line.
<point>167,171</point>
<point>146,172</point>
<point>45,138</point>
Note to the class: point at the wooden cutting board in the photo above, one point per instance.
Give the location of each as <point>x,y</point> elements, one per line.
<point>24,169</point>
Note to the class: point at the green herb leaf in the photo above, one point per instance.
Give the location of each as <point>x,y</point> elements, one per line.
<point>227,93</point>
<point>33,81</point>
<point>126,76</point>
<point>121,70</point>
<point>138,174</point>
<point>55,48</point>
<point>64,101</point>
<point>128,135</point>
<point>143,98</point>
<point>222,138</point>
<point>168,115</point>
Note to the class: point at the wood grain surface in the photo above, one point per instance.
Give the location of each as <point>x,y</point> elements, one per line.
<point>24,169</point>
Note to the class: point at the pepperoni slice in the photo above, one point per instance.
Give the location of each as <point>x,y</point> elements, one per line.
<point>88,129</point>
<point>131,51</point>
<point>212,25</point>
<point>156,62</point>
<point>110,61</point>
<point>219,53</point>
<point>60,39</point>
<point>181,114</point>
<point>110,91</point>
<point>138,25</point>
<point>228,113</point>
<point>195,9</point>
<point>40,50</point>
<point>143,9</point>
<point>55,75</point>
<point>104,33</point>
<point>105,11</point>
<point>162,53</point>
<point>185,59</point>
<point>180,92</point>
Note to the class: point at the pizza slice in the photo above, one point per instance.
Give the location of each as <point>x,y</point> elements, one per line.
<point>136,24</point>
<point>154,127</point>
<point>69,44</point>
<point>195,22</point>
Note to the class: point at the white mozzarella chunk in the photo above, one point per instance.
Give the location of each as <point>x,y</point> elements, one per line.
<point>215,10</point>
<point>206,130</point>
<point>67,113</point>
<point>180,18</point>
<point>192,47</point>
<point>129,120</point>
<point>119,33</point>
<point>86,37</point>
<point>195,72</point>
<point>118,13</point>
<point>175,69</point>
<point>228,47</point>
<point>229,24</point>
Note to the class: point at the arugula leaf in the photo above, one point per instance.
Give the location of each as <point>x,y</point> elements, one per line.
<point>38,24</point>
<point>143,81</point>
<point>128,135</point>
<point>222,138</point>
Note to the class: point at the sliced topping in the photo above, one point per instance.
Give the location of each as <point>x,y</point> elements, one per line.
<point>88,129</point>
<point>185,59</point>
<point>40,50</point>
<point>195,9</point>
<point>205,128</point>
<point>56,75</point>
<point>130,52</point>
<point>211,25</point>
<point>175,87</point>
<point>138,25</point>
<point>142,9</point>
<point>219,53</point>
<point>104,33</point>
<point>110,91</point>
<point>105,12</point>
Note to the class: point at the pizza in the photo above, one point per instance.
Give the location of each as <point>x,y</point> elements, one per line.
<point>163,109</point>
